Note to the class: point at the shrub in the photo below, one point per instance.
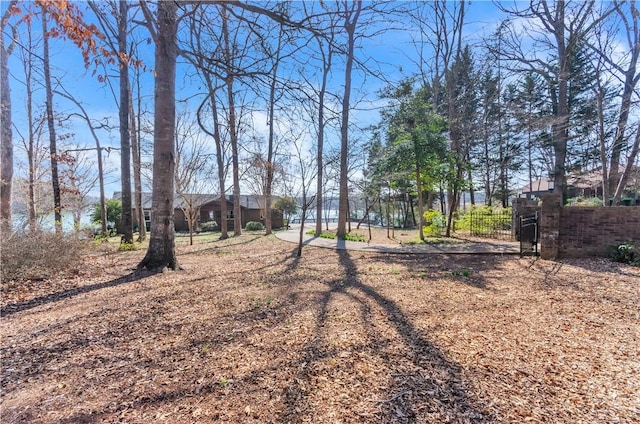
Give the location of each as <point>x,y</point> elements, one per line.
<point>433,222</point>
<point>626,253</point>
<point>254,226</point>
<point>208,226</point>
<point>40,255</point>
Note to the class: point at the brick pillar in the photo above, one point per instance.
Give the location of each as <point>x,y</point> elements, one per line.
<point>550,225</point>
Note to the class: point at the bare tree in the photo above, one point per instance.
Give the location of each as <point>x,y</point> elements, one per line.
<point>192,170</point>
<point>34,191</point>
<point>92,129</point>
<point>229,58</point>
<point>117,42</point>
<point>161,252</point>
<point>351,15</point>
<point>198,44</point>
<point>53,151</point>
<point>6,135</point>
<point>325,39</point>
<point>126,220</point>
<point>136,156</point>
<point>271,152</point>
<point>78,178</point>
<point>30,142</point>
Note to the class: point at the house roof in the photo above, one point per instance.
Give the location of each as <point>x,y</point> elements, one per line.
<point>539,185</point>
<point>582,179</point>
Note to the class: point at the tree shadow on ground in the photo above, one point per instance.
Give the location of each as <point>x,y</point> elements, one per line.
<point>13,308</point>
<point>438,382</point>
<point>434,386</point>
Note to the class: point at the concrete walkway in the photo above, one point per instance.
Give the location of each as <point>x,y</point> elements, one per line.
<point>489,247</point>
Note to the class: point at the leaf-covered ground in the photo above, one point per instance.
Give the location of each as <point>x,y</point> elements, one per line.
<point>250,333</point>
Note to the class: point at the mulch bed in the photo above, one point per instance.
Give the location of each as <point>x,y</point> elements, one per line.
<point>250,333</point>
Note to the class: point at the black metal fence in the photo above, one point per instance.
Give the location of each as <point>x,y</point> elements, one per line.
<point>495,225</point>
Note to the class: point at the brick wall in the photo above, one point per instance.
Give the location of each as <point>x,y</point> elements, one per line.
<point>585,231</point>
<point>591,231</point>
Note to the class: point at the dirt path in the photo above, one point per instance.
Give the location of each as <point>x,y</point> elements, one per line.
<point>249,333</point>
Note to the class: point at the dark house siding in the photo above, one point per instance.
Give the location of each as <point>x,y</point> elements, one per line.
<point>210,211</point>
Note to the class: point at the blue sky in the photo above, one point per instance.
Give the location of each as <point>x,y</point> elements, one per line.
<point>390,51</point>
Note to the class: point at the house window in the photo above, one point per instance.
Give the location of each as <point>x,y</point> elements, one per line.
<point>211,215</point>
<point>230,214</point>
<point>147,216</point>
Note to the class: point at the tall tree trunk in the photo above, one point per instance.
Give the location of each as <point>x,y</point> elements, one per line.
<point>233,130</point>
<point>161,251</point>
<point>271,141</point>
<point>561,125</point>
<point>126,221</point>
<point>220,162</point>
<point>6,133</point>
<point>137,170</point>
<point>55,181</point>
<point>326,67</point>
<point>351,21</point>
<point>30,146</point>
<point>219,152</point>
<point>602,138</point>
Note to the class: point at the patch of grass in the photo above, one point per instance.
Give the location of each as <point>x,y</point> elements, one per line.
<point>324,234</point>
<point>259,303</point>
<point>127,247</point>
<point>461,273</point>
<point>355,237</point>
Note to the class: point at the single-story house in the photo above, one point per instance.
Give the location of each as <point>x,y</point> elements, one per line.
<point>581,183</point>
<point>252,208</point>
<point>537,188</point>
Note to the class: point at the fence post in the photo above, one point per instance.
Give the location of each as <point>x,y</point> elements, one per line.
<point>550,225</point>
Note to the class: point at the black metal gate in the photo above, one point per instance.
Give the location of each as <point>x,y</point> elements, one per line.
<point>492,225</point>
<point>529,233</point>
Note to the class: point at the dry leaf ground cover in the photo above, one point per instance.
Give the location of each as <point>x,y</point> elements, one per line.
<point>250,333</point>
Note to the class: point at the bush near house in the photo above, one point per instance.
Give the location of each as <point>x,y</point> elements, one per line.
<point>209,226</point>
<point>254,226</point>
